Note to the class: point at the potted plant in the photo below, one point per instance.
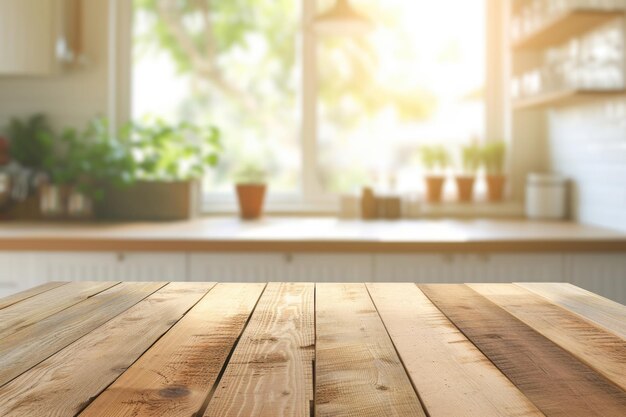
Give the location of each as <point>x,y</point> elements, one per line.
<point>435,160</point>
<point>251,188</point>
<point>31,144</point>
<point>168,161</point>
<point>471,161</point>
<point>493,155</point>
<point>83,164</point>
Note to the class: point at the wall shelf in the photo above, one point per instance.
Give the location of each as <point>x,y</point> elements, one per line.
<point>566,26</point>
<point>565,98</point>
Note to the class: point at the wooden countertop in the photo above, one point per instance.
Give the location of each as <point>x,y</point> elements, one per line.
<point>229,234</point>
<point>179,349</point>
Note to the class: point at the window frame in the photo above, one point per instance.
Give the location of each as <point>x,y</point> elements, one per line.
<point>310,199</point>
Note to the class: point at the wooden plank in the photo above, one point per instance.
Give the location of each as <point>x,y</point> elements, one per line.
<point>603,351</point>
<point>450,374</point>
<point>357,370</point>
<point>16,298</point>
<point>65,383</point>
<point>562,27</point>
<point>271,371</point>
<point>34,309</point>
<point>599,310</point>
<point>22,350</point>
<point>554,380</point>
<point>176,375</point>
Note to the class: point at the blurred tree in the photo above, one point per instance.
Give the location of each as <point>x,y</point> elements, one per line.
<point>197,33</point>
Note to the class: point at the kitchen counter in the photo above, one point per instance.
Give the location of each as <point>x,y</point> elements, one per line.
<point>292,234</point>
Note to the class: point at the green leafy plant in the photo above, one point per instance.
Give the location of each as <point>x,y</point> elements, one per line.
<point>435,156</point>
<point>493,156</point>
<point>250,173</point>
<point>170,152</point>
<point>96,157</point>
<point>90,159</point>
<point>32,140</point>
<point>471,156</point>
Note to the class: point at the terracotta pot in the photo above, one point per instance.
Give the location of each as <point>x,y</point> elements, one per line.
<point>495,187</point>
<point>465,187</point>
<point>251,198</point>
<point>434,188</point>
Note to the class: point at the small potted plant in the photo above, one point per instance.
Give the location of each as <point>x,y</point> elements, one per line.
<point>435,160</point>
<point>471,161</point>
<point>493,155</point>
<point>251,188</point>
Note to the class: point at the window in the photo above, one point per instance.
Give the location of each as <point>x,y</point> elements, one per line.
<point>417,78</point>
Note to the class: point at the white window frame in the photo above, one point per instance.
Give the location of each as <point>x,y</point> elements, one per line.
<point>311,198</point>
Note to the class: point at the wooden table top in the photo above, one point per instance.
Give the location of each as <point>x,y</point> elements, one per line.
<point>302,349</point>
<point>272,234</point>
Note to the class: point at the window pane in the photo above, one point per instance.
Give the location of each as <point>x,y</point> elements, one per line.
<point>416,79</point>
<point>232,63</point>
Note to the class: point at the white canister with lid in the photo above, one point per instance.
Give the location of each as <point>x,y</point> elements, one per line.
<point>546,196</point>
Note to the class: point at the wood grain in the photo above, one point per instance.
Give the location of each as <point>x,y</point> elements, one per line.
<point>313,235</point>
<point>599,310</point>
<point>16,298</point>
<point>26,348</point>
<point>271,371</point>
<point>553,379</point>
<point>21,315</point>
<point>357,370</point>
<point>452,377</point>
<point>175,376</point>
<point>602,350</point>
<point>65,383</point>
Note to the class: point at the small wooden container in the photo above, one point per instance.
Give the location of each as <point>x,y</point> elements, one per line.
<point>369,209</point>
<point>389,207</point>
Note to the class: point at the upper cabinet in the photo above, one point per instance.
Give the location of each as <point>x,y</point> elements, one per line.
<point>38,37</point>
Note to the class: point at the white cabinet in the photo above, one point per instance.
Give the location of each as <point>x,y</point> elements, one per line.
<point>330,268</point>
<point>414,268</point>
<point>603,274</point>
<point>16,272</point>
<point>460,268</point>
<point>242,267</point>
<point>237,267</point>
<point>35,35</point>
<point>517,267</point>
<point>110,266</point>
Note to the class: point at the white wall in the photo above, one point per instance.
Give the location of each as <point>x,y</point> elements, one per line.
<point>73,97</point>
<point>588,144</point>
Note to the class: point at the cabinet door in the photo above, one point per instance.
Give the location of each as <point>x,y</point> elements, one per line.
<point>28,36</point>
<point>518,267</point>
<point>329,268</point>
<point>603,274</point>
<point>422,268</point>
<point>138,266</point>
<point>287,267</point>
<point>111,266</point>
<point>461,268</point>
<point>79,266</point>
<point>237,267</point>
<point>16,272</point>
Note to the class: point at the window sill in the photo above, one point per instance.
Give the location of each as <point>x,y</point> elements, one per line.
<point>410,210</point>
